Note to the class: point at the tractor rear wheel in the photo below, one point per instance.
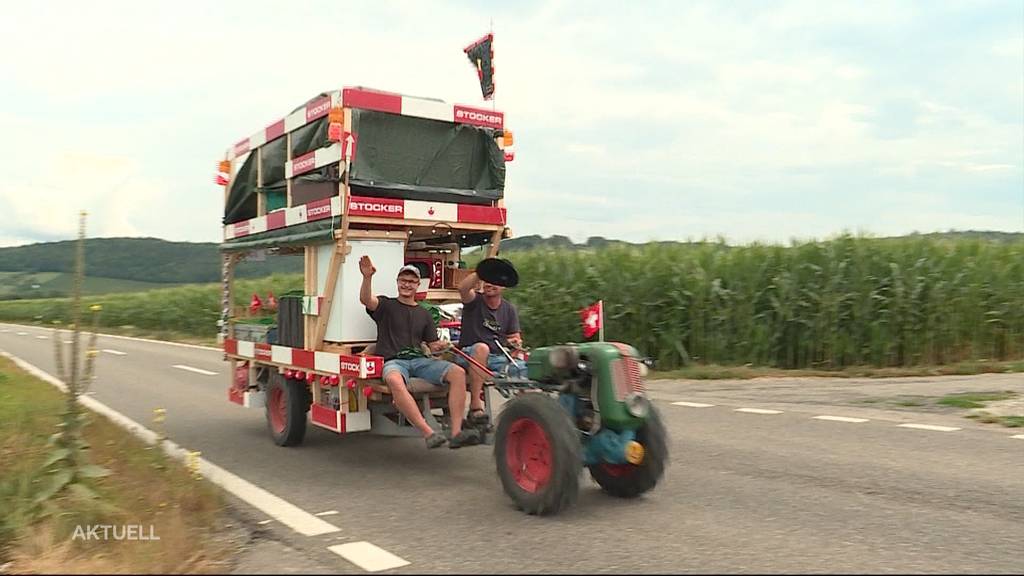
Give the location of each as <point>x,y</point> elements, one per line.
<point>632,480</point>
<point>538,454</point>
<point>287,404</point>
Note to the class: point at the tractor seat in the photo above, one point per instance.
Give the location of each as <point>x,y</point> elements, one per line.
<point>418,387</point>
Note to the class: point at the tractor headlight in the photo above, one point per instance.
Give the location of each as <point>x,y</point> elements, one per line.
<point>637,404</point>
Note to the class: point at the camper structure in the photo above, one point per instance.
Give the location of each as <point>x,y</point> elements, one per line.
<point>355,171</point>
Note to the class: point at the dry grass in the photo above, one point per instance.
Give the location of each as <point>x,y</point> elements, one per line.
<point>145,489</point>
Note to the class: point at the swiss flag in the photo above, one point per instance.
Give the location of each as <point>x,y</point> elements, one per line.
<point>591,318</point>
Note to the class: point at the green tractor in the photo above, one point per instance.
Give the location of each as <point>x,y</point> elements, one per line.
<point>580,405</point>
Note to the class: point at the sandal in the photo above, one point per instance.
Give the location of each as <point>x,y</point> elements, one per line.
<point>467,437</point>
<point>478,418</point>
<point>435,440</point>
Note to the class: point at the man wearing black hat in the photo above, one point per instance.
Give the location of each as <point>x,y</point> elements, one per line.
<point>402,325</point>
<point>487,318</point>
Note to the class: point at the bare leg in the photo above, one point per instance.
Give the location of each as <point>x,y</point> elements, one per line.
<point>476,377</point>
<point>456,378</point>
<point>406,403</point>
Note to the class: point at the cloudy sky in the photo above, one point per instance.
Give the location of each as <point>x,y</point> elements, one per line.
<point>637,121</point>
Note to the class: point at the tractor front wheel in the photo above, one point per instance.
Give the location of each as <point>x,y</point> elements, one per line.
<point>538,454</point>
<point>287,404</point>
<point>632,480</point>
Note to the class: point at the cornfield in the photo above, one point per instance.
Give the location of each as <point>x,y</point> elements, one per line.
<point>845,302</point>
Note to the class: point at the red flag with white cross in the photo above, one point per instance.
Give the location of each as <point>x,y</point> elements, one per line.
<point>592,319</point>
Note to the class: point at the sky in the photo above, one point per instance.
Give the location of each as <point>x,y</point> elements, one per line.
<point>747,121</point>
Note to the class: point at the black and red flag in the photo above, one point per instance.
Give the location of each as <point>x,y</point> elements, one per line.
<point>481,55</point>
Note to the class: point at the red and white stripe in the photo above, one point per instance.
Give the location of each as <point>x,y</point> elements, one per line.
<point>319,362</point>
<point>313,160</point>
<point>392,208</point>
<point>370,100</point>
<point>338,421</point>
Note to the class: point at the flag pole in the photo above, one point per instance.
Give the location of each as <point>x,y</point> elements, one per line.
<point>600,312</point>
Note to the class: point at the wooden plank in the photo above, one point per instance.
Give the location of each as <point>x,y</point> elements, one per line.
<point>495,243</point>
<point>309,289</point>
<point>373,234</point>
<point>341,251</point>
<point>261,197</point>
<point>288,158</point>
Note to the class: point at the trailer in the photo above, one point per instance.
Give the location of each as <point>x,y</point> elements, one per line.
<point>408,180</point>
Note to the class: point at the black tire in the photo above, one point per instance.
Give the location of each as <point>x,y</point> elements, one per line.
<point>536,431</point>
<point>287,422</point>
<point>628,480</point>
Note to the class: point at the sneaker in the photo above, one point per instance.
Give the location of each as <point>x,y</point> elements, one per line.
<point>468,437</point>
<point>435,440</point>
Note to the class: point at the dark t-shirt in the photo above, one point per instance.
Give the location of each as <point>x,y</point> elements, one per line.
<point>477,315</point>
<point>401,327</point>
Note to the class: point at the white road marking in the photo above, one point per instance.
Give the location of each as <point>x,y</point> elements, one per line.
<point>4,331</point>
<point>327,513</point>
<point>264,522</point>
<point>22,333</point>
<point>1018,436</point>
<point>281,510</point>
<point>114,352</point>
<point>840,419</point>
<point>758,411</point>
<point>692,404</point>
<point>196,370</point>
<point>929,427</point>
<point>367,556</point>
<point>69,341</point>
<point>43,337</point>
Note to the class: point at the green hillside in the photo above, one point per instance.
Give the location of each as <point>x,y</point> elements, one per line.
<point>123,264</point>
<point>23,285</point>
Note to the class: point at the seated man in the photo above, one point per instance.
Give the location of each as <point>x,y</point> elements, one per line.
<point>486,318</point>
<point>402,325</point>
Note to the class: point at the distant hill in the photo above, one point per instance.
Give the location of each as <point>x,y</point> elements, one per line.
<point>138,260</point>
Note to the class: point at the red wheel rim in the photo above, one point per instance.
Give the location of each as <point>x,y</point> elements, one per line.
<point>278,409</point>
<point>528,455</point>
<point>618,470</point>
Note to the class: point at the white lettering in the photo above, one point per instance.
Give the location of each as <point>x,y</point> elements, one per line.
<point>478,116</point>
<point>349,366</point>
<point>376,207</point>
<point>79,533</point>
<point>318,109</point>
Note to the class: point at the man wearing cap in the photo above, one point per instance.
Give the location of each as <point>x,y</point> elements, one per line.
<point>402,325</point>
<point>486,319</point>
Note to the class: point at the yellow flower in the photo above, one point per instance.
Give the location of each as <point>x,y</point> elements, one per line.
<point>96,307</point>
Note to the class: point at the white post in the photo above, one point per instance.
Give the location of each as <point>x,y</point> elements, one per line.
<point>600,312</point>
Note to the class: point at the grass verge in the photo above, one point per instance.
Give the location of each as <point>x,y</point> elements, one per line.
<point>145,489</point>
<point>715,372</point>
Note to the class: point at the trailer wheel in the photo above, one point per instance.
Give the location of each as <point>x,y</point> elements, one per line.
<point>538,455</point>
<point>287,404</point>
<point>629,480</point>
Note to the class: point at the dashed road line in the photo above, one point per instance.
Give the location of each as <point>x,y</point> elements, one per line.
<point>693,404</point>
<point>22,333</point>
<point>841,419</point>
<point>367,556</point>
<point>1018,436</point>
<point>930,427</point>
<point>69,341</point>
<point>757,411</point>
<point>42,337</point>
<point>196,370</point>
<point>326,513</point>
<point>115,352</point>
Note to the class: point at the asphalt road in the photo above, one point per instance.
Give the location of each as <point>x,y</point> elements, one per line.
<point>746,492</point>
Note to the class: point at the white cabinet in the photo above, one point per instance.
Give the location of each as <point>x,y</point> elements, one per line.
<point>349,321</point>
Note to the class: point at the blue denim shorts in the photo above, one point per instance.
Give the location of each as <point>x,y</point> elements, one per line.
<point>495,363</point>
<point>429,369</point>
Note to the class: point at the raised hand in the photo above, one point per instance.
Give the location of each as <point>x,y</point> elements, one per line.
<point>366,267</point>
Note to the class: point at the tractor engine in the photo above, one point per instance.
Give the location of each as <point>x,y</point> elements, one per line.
<point>601,383</point>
